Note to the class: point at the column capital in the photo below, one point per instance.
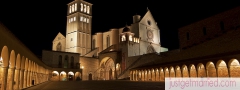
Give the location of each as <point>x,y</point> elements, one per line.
<point>17,68</point>
<point>5,67</point>
<point>11,68</point>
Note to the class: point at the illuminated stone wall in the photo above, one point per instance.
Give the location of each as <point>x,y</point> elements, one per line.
<point>89,65</point>
<point>52,58</point>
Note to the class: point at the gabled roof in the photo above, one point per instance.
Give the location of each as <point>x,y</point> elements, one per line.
<point>59,35</point>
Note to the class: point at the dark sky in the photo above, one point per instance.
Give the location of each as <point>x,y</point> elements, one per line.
<point>37,22</point>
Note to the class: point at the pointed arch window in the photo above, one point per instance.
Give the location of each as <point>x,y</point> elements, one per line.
<point>123,38</point>
<point>59,46</point>
<point>66,62</point>
<point>108,41</point>
<point>60,61</point>
<point>150,49</point>
<point>72,62</point>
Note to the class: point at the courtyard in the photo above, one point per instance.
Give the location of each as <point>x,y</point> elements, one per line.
<point>98,85</point>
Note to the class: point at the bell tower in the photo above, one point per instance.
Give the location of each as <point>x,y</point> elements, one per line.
<point>79,23</point>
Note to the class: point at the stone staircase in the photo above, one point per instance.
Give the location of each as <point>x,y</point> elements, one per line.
<point>142,60</point>
<point>91,53</point>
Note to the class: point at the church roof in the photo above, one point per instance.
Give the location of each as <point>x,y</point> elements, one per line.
<point>126,29</point>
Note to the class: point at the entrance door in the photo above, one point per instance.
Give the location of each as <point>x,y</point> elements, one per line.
<point>90,76</point>
<point>110,74</point>
<point>70,78</point>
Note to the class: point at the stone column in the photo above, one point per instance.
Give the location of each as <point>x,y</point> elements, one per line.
<point>21,81</point>
<point>25,79</point>
<point>4,78</point>
<point>40,78</point>
<point>11,78</point>
<point>67,77</point>
<point>16,86</point>
<point>36,76</point>
<point>59,77</point>
<point>28,77</point>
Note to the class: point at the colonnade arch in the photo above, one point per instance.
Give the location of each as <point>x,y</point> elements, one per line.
<point>61,75</point>
<point>210,69</point>
<point>18,72</point>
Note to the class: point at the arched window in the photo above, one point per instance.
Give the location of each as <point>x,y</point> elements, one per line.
<point>72,62</point>
<point>108,41</point>
<point>93,44</point>
<point>88,9</point>
<point>81,7</point>
<point>70,9</point>
<point>75,6</point>
<point>66,62</point>
<point>60,61</point>
<point>130,37</point>
<point>59,46</point>
<point>84,7</point>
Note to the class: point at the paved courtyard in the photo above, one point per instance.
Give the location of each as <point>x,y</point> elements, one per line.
<point>98,85</point>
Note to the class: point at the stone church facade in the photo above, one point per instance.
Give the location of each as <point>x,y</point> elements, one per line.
<point>208,48</point>
<point>103,55</point>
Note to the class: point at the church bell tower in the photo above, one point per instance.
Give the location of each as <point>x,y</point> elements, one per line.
<point>79,23</point>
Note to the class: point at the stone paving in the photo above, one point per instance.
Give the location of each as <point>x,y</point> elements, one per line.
<point>98,85</point>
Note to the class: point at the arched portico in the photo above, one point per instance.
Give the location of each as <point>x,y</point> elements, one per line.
<point>234,68</point>
<point>107,71</point>
<point>55,76</point>
<point>70,76</point>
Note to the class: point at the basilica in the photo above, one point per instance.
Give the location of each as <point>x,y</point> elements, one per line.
<point>104,55</point>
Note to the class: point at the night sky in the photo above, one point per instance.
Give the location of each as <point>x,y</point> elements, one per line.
<point>37,22</point>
